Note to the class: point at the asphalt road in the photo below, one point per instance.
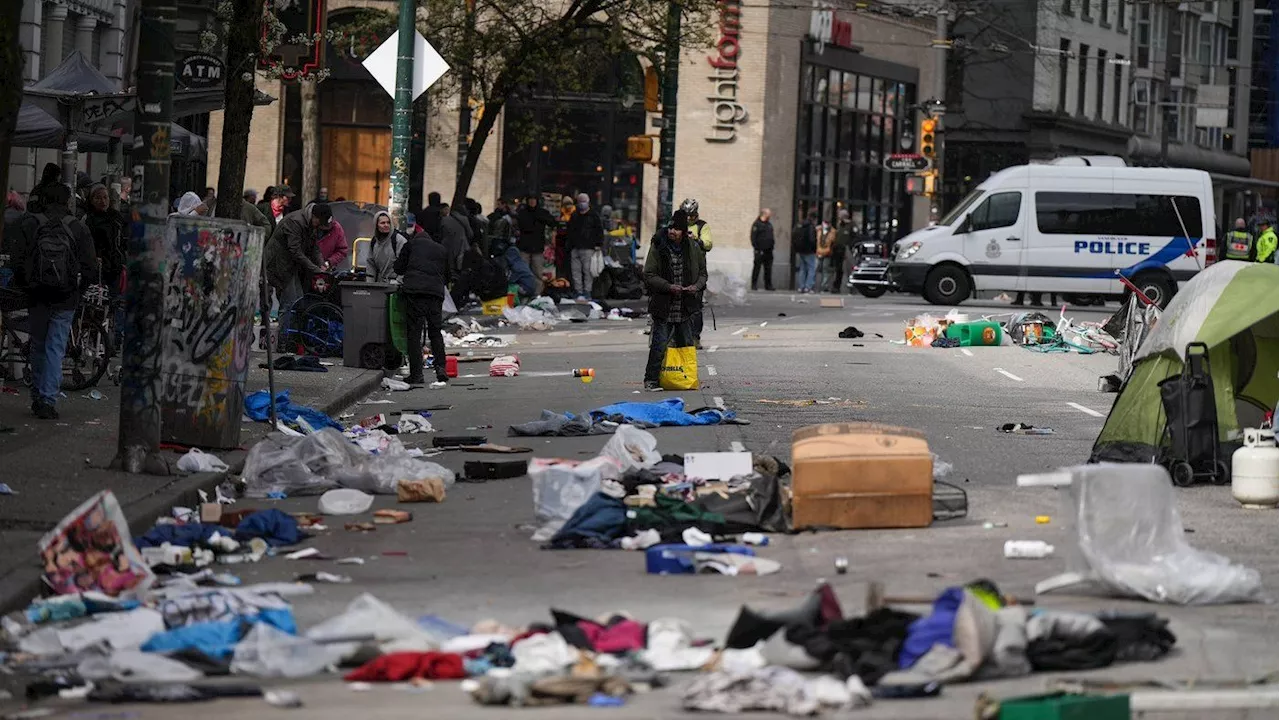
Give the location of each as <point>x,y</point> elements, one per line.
<point>471,558</point>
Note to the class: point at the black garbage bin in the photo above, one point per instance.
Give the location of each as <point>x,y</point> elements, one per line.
<point>366,338</point>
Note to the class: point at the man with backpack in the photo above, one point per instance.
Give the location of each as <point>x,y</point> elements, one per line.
<point>57,259</point>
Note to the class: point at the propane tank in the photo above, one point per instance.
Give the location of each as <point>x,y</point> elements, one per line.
<point>1255,470</point>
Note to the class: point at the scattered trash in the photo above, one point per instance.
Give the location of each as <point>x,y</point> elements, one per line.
<point>303,554</point>
<point>1042,519</point>
<point>286,699</point>
<point>1027,549</point>
<point>351,561</point>
<point>345,502</point>
<point>392,517</point>
<point>6,490</point>
<point>360,527</point>
<point>117,566</point>
<point>323,577</point>
<point>1024,429</point>
<point>198,461</point>
<point>717,465</point>
<point>842,565</point>
<point>94,395</point>
<point>257,406</point>
<point>754,538</point>
<point>395,385</point>
<point>424,490</point>
<point>505,366</point>
<point>851,333</point>
<point>693,537</point>
<point>411,423</point>
<point>993,525</point>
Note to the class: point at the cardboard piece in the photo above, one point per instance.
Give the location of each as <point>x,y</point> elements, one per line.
<point>717,465</point>
<point>424,490</point>
<point>831,302</point>
<point>211,513</point>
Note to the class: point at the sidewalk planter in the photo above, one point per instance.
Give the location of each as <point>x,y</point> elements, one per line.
<point>211,273</point>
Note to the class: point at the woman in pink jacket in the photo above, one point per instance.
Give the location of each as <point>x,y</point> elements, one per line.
<point>334,248</point>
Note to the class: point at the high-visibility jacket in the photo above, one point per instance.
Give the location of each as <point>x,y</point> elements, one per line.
<point>1267,246</point>
<point>1239,245</point>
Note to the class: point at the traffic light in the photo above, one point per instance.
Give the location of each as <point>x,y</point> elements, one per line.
<point>915,185</point>
<point>640,148</point>
<point>927,146</point>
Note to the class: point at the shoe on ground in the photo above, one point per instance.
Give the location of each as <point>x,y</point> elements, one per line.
<point>439,384</point>
<point>44,411</point>
<point>652,387</point>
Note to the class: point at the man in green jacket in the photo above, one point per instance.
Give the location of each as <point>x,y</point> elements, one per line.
<point>1266,245</point>
<point>676,274</point>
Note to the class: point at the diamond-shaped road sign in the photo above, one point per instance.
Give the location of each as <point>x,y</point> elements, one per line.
<point>428,66</point>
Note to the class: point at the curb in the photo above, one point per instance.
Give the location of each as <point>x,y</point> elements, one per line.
<point>24,583</point>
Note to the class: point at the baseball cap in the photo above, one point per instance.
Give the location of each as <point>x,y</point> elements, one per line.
<point>285,191</point>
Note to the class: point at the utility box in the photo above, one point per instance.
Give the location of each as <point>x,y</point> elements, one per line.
<point>210,294</point>
<point>366,337</point>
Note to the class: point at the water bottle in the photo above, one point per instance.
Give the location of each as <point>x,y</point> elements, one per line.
<point>1016,549</point>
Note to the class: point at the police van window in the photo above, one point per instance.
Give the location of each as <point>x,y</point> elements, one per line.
<point>997,211</point>
<point>1067,213</point>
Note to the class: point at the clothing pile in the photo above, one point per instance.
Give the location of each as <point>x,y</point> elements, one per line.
<point>605,420</point>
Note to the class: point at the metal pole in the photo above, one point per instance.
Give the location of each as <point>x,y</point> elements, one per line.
<point>402,115</point>
<point>939,110</point>
<point>464,96</point>
<point>670,88</point>
<point>1167,108</point>
<point>140,379</point>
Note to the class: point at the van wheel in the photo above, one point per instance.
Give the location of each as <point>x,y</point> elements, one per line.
<point>946,285</point>
<point>1155,286</point>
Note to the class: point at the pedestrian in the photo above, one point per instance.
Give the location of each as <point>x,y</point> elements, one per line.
<point>334,248</point>
<point>292,258</point>
<point>126,191</point>
<point>701,234</point>
<point>322,197</point>
<point>762,247</point>
<point>250,196</point>
<point>454,234</point>
<point>479,225</point>
<point>584,238</point>
<point>1239,242</point>
<point>249,212</point>
<point>426,270</point>
<point>560,257</point>
<point>502,230</point>
<point>840,249</point>
<point>50,176</point>
<point>275,203</point>
<point>804,246</point>
<point>107,227</point>
<point>431,215</point>
<point>384,249</point>
<point>676,275</point>
<point>1266,245</point>
<point>826,242</point>
<point>190,205</point>
<point>533,222</point>
<point>57,258</point>
<point>210,198</point>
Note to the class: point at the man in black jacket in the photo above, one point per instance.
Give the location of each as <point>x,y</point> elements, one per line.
<point>676,275</point>
<point>532,222</point>
<point>54,282</point>
<point>804,247</point>
<point>762,244</point>
<point>584,236</point>
<point>425,270</point>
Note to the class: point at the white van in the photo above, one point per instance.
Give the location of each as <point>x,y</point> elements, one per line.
<point>1065,227</point>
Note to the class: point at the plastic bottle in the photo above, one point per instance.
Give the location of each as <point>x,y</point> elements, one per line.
<point>1018,549</point>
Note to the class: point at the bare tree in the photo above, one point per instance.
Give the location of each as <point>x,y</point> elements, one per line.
<point>243,19</point>
<point>10,86</point>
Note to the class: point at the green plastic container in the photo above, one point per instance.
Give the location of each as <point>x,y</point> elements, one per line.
<point>973,334</point>
<point>1066,707</point>
<point>395,316</point>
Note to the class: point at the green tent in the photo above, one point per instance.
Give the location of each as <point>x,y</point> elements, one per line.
<point>1232,307</point>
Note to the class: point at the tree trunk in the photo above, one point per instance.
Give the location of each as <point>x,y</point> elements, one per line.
<point>310,140</point>
<point>10,86</point>
<point>243,39</point>
<point>492,108</point>
<point>141,382</point>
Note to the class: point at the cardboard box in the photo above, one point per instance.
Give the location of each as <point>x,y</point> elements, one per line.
<point>861,475</point>
<point>211,513</point>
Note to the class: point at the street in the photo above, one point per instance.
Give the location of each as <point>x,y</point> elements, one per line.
<point>471,558</point>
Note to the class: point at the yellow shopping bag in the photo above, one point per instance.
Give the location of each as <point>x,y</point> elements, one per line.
<point>680,369</point>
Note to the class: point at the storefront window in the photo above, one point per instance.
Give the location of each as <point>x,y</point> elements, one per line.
<point>849,123</point>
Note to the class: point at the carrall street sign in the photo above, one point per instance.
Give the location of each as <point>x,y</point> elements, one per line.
<point>905,162</point>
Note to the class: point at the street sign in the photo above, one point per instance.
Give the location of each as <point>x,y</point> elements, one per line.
<point>428,66</point>
<point>200,71</point>
<point>905,162</point>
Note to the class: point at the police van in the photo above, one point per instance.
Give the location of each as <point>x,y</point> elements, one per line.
<point>1067,227</point>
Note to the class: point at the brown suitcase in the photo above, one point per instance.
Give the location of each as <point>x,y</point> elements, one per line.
<point>861,475</point>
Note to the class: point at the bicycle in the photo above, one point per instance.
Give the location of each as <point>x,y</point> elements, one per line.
<point>89,344</point>
<point>315,327</point>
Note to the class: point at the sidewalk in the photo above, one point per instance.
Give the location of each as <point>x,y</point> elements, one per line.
<point>54,466</point>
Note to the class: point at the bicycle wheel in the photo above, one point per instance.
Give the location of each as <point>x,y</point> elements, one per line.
<point>319,329</point>
<point>88,356</point>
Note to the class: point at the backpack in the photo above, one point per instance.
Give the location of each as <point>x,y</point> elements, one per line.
<point>53,265</point>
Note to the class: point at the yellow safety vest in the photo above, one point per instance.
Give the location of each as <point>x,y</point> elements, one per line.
<point>1239,245</point>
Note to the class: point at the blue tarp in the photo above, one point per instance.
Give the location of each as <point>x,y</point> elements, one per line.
<point>936,629</point>
<point>257,407</point>
<point>218,638</point>
<point>664,412</point>
<point>275,527</point>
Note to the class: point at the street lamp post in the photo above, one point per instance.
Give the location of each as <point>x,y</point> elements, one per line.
<point>402,115</point>
<point>670,91</point>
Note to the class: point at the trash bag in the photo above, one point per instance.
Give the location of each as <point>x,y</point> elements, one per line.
<point>136,666</point>
<point>367,616</point>
<point>560,487</point>
<point>344,501</point>
<point>267,652</point>
<point>680,369</point>
<point>198,461</point>
<point>298,465</point>
<point>1129,541</point>
<point>632,448</point>
<point>379,474</point>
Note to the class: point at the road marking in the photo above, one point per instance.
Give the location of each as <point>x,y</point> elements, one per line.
<point>737,446</point>
<point>711,370</point>
<point>718,402</point>
<point>1008,374</point>
<point>1087,411</point>
<point>967,351</point>
<point>739,331</point>
<point>713,348</point>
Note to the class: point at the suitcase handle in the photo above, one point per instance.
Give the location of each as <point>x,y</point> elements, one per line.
<point>1196,361</point>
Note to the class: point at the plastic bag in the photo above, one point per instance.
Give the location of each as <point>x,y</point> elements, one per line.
<point>530,317</point>
<point>136,666</point>
<point>271,653</point>
<point>298,465</point>
<point>345,502</point>
<point>198,461</point>
<point>379,474</point>
<point>632,448</point>
<point>367,616</point>
<point>1129,541</point>
<point>110,563</point>
<point>560,487</point>
<point>730,288</point>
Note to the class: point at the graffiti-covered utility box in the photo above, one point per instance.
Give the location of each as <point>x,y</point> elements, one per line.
<point>211,270</point>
